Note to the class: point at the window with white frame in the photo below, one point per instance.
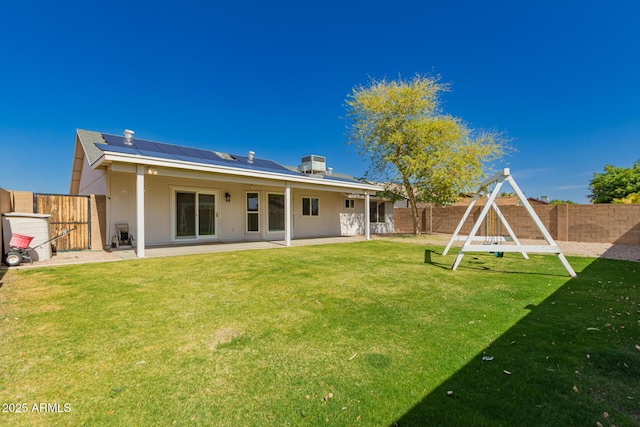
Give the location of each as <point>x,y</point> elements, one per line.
<point>253,212</point>
<point>310,206</point>
<point>377,211</point>
<point>350,204</point>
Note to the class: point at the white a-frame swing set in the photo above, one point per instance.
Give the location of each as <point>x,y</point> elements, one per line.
<point>499,179</point>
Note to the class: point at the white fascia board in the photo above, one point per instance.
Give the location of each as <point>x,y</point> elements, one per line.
<point>179,164</point>
<point>124,167</point>
<point>98,162</point>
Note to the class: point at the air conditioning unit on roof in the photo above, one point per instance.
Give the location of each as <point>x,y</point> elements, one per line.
<point>313,164</point>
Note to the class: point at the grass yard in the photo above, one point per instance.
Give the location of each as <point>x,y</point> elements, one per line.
<point>371,333</point>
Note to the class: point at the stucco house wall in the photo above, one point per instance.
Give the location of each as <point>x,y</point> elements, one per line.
<point>94,181</point>
<point>333,219</point>
<point>171,194</point>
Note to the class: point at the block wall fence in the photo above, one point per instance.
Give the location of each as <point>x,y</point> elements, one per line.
<point>601,223</point>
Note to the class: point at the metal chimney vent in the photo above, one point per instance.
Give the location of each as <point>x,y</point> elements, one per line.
<point>252,154</point>
<point>128,136</point>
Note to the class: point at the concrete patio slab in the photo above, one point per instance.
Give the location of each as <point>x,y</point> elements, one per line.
<point>176,250</point>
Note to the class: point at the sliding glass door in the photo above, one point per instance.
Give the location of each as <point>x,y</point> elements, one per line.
<point>194,214</point>
<point>206,214</point>
<point>276,212</point>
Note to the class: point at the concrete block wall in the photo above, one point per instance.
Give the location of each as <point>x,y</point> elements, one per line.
<point>403,220</point>
<point>22,201</point>
<point>605,223</point>
<point>98,221</point>
<point>580,223</point>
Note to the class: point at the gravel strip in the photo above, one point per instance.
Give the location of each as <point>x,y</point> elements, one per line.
<point>594,250</point>
<point>602,250</point>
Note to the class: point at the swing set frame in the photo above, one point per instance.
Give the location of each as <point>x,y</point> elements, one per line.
<point>500,178</point>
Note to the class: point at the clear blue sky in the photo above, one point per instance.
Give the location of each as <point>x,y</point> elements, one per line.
<point>562,78</point>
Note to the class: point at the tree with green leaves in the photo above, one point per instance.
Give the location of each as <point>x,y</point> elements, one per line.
<point>412,145</point>
<point>631,199</point>
<point>615,182</point>
<point>561,202</point>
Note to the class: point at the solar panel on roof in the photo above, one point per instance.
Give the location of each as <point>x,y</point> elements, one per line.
<point>170,149</point>
<point>145,145</point>
<point>195,155</point>
<point>110,139</point>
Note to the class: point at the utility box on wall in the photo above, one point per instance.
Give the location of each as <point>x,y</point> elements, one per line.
<point>28,224</point>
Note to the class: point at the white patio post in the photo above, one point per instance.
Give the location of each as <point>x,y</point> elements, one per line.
<point>367,217</point>
<point>140,212</point>
<point>287,215</point>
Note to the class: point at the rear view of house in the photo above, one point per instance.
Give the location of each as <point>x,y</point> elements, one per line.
<point>169,194</point>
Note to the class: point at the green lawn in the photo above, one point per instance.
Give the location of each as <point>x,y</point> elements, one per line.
<point>363,333</point>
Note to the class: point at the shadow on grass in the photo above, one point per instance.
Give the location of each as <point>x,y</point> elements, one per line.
<point>471,262</point>
<point>570,361</point>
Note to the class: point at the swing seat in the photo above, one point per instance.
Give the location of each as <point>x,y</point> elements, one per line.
<point>496,254</point>
<point>488,243</point>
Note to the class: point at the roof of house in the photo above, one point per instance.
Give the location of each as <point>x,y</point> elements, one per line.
<point>102,148</point>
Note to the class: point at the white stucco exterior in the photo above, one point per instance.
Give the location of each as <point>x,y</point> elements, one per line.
<point>172,200</point>
<point>333,219</point>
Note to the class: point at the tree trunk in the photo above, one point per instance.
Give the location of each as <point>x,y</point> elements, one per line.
<point>414,207</point>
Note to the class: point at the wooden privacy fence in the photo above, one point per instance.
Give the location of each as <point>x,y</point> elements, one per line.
<point>67,212</point>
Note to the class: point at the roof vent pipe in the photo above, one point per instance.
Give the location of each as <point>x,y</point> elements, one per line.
<point>329,171</point>
<point>251,156</point>
<point>128,136</point>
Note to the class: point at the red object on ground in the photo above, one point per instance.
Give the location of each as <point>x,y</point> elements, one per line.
<point>20,241</point>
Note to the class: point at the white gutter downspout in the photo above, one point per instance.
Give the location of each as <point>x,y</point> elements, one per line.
<point>367,217</point>
<point>140,212</point>
<point>287,214</point>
